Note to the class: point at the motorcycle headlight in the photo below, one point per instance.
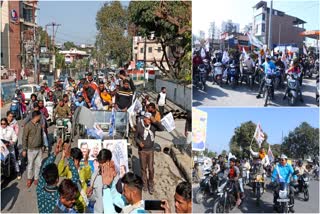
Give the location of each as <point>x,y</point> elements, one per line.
<point>59,122</point>
<point>283,194</point>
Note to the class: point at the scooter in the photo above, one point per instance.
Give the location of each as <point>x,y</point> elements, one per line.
<point>16,108</point>
<point>268,91</point>
<point>217,74</point>
<point>293,88</point>
<point>201,77</point>
<point>304,180</point>
<point>232,73</point>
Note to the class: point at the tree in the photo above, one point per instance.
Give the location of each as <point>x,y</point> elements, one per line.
<point>44,38</point>
<point>276,150</point>
<point>68,45</point>
<point>242,138</point>
<point>209,153</point>
<point>60,61</point>
<point>171,22</point>
<point>302,141</point>
<point>224,153</point>
<point>112,39</point>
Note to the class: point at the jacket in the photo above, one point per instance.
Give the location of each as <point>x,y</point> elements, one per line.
<point>148,143</point>
<point>32,137</point>
<point>62,112</point>
<point>14,124</point>
<point>48,196</point>
<point>124,98</point>
<point>84,175</point>
<point>8,134</point>
<point>282,173</point>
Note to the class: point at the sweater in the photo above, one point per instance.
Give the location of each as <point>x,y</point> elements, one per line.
<point>124,98</point>
<point>32,137</point>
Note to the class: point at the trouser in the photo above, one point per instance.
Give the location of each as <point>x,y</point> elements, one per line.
<point>263,82</point>
<point>132,119</point>
<point>34,163</point>
<point>241,185</point>
<point>15,158</point>
<point>161,110</point>
<point>147,162</point>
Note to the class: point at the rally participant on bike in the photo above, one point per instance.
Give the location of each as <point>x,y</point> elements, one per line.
<point>7,133</point>
<point>88,92</point>
<point>240,179</point>
<point>260,163</point>
<point>62,111</point>
<point>294,69</point>
<point>233,174</point>
<point>33,99</point>
<point>282,173</point>
<point>301,170</point>
<point>22,98</point>
<point>269,68</point>
<point>52,98</point>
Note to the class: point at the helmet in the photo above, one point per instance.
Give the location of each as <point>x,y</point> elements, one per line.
<point>299,163</point>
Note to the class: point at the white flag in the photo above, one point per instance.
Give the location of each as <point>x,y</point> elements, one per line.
<point>305,52</point>
<point>255,41</point>
<point>258,135</point>
<point>168,122</point>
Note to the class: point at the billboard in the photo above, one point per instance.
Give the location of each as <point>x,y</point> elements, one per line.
<point>199,129</point>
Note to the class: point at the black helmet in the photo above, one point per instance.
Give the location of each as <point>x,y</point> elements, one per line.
<point>300,163</point>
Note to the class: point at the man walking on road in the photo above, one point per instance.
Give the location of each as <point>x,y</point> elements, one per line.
<point>144,137</point>
<point>32,143</point>
<point>161,100</point>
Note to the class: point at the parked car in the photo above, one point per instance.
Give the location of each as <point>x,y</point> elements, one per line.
<point>28,90</point>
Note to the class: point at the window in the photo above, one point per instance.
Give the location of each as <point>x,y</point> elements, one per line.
<point>27,15</point>
<point>263,28</point>
<point>26,89</point>
<point>263,17</point>
<point>141,50</point>
<point>159,49</point>
<point>150,50</point>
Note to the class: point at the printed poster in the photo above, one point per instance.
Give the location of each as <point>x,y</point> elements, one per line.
<point>199,129</point>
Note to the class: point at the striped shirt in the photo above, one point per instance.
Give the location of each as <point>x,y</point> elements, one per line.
<point>124,98</point>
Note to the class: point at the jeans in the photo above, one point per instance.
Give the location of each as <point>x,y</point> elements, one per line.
<point>161,110</point>
<point>15,159</point>
<point>147,162</point>
<point>34,163</point>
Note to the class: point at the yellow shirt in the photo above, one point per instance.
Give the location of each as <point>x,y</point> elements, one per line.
<point>84,175</point>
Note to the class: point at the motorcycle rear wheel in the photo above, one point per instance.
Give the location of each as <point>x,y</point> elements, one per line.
<point>218,207</point>
<point>199,196</point>
<point>306,194</point>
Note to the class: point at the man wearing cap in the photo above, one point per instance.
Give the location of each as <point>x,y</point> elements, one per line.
<point>268,67</point>
<point>144,137</point>
<point>282,173</point>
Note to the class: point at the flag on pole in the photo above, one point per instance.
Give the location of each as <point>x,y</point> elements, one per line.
<point>258,135</point>
<point>66,84</point>
<point>255,41</point>
<point>270,154</point>
<point>96,102</point>
<point>245,55</point>
<point>305,52</point>
<point>225,57</point>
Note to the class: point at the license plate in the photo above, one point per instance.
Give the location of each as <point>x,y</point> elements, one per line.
<point>283,200</point>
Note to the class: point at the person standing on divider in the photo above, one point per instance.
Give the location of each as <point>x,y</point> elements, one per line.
<point>161,100</point>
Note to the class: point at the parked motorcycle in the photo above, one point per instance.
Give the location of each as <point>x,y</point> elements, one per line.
<point>293,88</point>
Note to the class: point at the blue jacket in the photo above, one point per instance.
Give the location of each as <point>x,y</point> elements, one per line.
<point>268,67</point>
<point>285,173</point>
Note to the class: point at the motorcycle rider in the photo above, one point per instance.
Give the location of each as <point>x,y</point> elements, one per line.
<point>62,111</point>
<point>268,67</point>
<point>22,98</point>
<point>261,162</point>
<point>233,174</point>
<point>301,170</point>
<point>295,68</point>
<point>238,164</point>
<point>42,94</point>
<point>33,99</point>
<point>52,98</point>
<point>282,173</point>
<point>7,133</point>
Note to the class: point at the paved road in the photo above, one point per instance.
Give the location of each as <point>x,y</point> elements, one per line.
<point>249,204</point>
<point>243,96</point>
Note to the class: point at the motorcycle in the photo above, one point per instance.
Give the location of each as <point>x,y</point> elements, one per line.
<point>268,91</point>
<point>258,187</point>
<point>218,73</point>
<point>7,161</point>
<point>16,108</point>
<point>278,81</point>
<point>227,199</point>
<point>201,77</point>
<point>304,181</point>
<point>293,88</point>
<point>62,130</point>
<point>205,189</point>
<point>232,73</point>
<point>282,201</point>
<point>248,76</point>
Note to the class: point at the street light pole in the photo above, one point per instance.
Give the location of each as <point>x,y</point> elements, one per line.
<point>270,27</point>
<point>145,62</point>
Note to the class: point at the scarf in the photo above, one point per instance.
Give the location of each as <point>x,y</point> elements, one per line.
<point>262,155</point>
<point>147,131</point>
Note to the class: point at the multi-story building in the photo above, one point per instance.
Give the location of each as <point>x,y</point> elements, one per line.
<point>285,28</point>
<point>18,24</point>
<point>154,51</point>
<point>230,27</point>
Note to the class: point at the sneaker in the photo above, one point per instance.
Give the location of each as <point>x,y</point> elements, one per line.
<point>19,175</point>
<point>238,202</point>
<point>36,182</point>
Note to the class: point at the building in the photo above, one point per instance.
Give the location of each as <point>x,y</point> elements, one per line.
<point>73,54</point>
<point>230,27</point>
<point>154,52</point>
<point>18,24</point>
<point>234,40</point>
<point>285,28</point>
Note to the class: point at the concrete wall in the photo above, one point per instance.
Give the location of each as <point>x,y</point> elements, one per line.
<point>179,94</point>
<point>8,89</point>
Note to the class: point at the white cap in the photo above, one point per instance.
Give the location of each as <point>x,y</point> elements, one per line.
<point>147,115</point>
<point>283,156</point>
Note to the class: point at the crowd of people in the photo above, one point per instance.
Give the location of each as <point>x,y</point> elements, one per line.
<point>100,190</point>
<point>246,171</point>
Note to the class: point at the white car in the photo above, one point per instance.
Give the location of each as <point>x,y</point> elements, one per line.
<point>29,89</point>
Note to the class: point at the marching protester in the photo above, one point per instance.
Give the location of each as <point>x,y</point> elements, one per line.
<point>124,97</point>
<point>123,76</point>
<point>68,192</point>
<point>144,138</point>
<point>161,100</point>
<point>32,142</point>
<point>182,199</point>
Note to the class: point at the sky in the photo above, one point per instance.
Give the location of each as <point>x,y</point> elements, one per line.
<point>222,122</point>
<point>240,11</point>
<point>77,19</point>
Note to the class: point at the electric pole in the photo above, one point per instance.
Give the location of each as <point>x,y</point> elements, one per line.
<point>270,28</point>
<point>53,25</point>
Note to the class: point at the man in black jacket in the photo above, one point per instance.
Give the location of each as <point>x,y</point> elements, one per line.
<point>144,137</point>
